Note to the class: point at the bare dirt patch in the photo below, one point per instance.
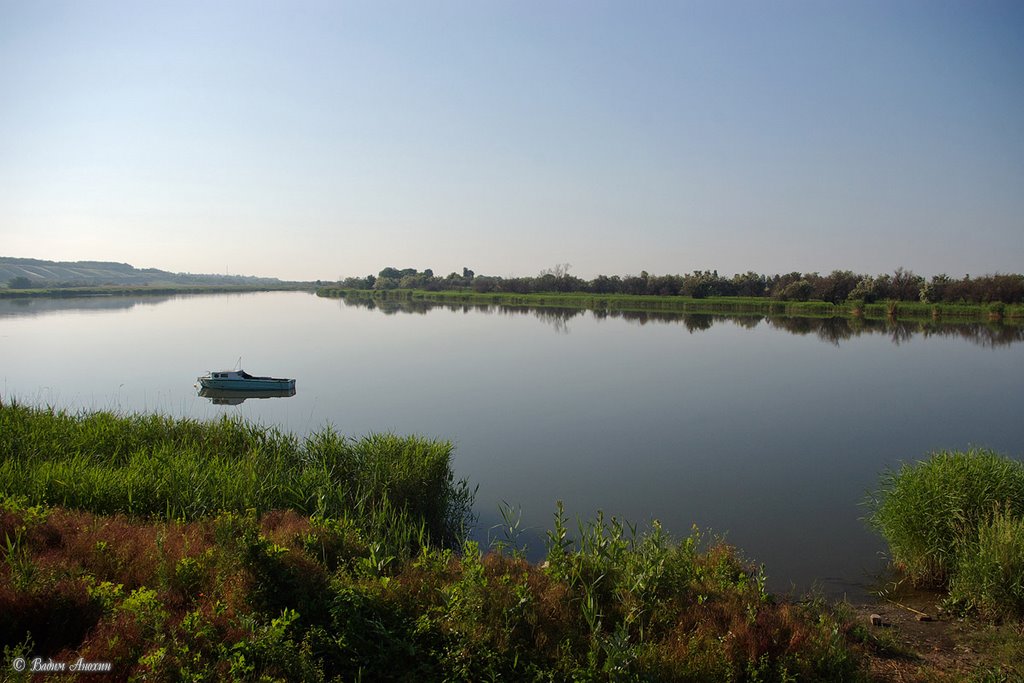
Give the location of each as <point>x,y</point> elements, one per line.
<point>918,641</point>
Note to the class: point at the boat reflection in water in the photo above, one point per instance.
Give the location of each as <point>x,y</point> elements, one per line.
<point>233,397</point>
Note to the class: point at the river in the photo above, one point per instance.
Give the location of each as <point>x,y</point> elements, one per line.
<point>770,432</point>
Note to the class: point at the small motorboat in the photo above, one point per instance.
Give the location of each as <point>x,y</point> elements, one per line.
<point>240,380</point>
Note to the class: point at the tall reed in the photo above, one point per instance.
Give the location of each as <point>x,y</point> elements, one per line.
<point>930,512</point>
<point>153,465</point>
<point>989,576</point>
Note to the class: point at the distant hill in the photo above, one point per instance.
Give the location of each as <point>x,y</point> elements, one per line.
<point>30,272</point>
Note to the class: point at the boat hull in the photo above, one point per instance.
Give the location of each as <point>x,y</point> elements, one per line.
<point>248,384</point>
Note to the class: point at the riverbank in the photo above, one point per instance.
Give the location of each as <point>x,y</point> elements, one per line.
<point>916,641</point>
<point>144,290</point>
<point>898,310</point>
<point>178,549</point>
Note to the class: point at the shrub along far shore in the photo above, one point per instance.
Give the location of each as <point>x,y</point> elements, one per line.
<point>837,287</point>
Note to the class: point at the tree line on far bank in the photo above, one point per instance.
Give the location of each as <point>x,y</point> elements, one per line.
<point>836,287</point>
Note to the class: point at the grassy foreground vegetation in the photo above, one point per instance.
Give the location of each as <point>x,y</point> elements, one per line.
<point>179,550</point>
<point>185,551</point>
<point>288,597</point>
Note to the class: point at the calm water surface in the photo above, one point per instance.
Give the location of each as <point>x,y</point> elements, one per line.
<point>770,432</point>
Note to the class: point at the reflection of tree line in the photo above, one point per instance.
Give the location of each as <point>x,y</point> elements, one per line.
<point>554,316</point>
<point>392,306</point>
<point>32,306</point>
<point>835,330</point>
<point>831,330</point>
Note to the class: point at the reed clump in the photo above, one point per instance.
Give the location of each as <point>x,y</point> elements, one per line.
<point>153,465</point>
<point>956,521</point>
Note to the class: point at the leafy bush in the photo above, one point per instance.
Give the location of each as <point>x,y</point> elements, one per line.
<point>286,597</point>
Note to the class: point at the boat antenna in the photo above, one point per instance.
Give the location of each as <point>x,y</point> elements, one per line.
<point>238,365</point>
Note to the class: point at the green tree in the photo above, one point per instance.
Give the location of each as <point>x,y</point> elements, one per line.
<point>386,283</point>
<point>905,285</point>
<point>836,286</point>
<point>750,284</point>
<point>20,282</point>
<point>485,284</point>
<point>395,273</point>
<point>866,291</point>
<point>797,291</point>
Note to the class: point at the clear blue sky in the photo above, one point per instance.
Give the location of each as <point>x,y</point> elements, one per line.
<point>317,139</point>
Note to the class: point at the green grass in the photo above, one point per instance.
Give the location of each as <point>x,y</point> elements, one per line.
<point>989,576</point>
<point>152,465</point>
<point>727,305</point>
<point>956,521</point>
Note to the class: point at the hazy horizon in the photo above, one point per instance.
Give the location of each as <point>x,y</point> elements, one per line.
<point>313,140</point>
<point>443,273</point>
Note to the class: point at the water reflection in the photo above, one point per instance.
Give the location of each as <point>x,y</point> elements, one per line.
<point>557,318</point>
<point>228,397</point>
<point>830,330</point>
<point>33,306</point>
<point>836,330</point>
<point>390,306</point>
